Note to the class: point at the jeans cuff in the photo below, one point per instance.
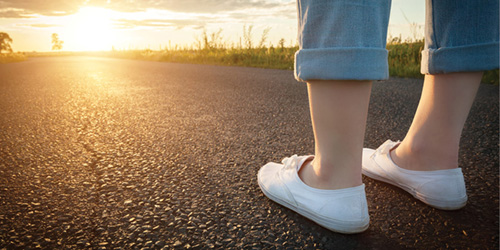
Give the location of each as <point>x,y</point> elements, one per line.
<point>341,64</point>
<point>478,57</point>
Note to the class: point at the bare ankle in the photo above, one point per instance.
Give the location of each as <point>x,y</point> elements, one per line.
<point>424,157</point>
<point>313,176</point>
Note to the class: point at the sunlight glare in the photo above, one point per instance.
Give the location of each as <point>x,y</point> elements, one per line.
<point>93,29</point>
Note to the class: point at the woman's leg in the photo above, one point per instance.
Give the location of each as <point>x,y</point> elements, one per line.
<point>461,36</point>
<point>342,47</point>
<point>338,113</point>
<point>433,139</point>
<point>461,40</point>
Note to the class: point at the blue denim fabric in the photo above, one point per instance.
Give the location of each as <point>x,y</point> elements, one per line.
<point>460,35</point>
<point>346,39</point>
<point>342,39</point>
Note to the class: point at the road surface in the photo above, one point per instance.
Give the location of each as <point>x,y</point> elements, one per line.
<point>108,153</point>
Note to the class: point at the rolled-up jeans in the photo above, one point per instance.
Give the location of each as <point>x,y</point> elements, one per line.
<point>346,39</point>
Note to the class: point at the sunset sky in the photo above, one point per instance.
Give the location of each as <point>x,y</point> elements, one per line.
<point>138,24</point>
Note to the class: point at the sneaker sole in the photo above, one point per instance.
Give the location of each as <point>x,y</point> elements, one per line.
<point>440,204</point>
<point>328,223</point>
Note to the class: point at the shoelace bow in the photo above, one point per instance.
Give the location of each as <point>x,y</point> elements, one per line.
<point>291,161</point>
<point>384,148</point>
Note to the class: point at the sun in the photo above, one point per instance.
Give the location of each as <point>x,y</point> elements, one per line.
<point>93,29</point>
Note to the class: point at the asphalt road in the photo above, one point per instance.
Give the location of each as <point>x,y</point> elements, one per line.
<point>107,153</point>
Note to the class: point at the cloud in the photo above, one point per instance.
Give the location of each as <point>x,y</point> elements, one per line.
<point>39,25</point>
<point>197,13</point>
<point>14,13</point>
<point>284,11</point>
<point>67,7</point>
<point>187,6</point>
<point>42,7</point>
<point>200,20</point>
<point>177,23</point>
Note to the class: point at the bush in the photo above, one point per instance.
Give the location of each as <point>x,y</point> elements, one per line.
<point>12,57</point>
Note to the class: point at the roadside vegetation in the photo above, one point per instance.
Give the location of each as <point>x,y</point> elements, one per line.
<point>404,56</point>
<point>12,57</point>
<point>5,45</point>
<point>211,48</point>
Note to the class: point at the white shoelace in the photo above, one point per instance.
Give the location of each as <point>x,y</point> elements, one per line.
<point>385,148</point>
<point>290,162</point>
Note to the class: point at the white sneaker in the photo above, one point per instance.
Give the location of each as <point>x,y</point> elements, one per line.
<point>443,189</point>
<point>343,210</point>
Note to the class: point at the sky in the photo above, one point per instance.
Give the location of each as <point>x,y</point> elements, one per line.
<point>90,25</point>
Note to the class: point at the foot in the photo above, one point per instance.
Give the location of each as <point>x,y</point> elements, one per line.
<point>425,158</point>
<point>443,189</point>
<point>310,173</point>
<point>342,210</point>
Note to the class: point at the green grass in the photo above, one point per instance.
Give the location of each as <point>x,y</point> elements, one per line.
<point>404,58</point>
<point>276,58</point>
<point>404,61</point>
<point>12,57</point>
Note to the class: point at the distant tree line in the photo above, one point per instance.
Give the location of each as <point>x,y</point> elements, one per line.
<point>5,42</point>
<point>56,43</point>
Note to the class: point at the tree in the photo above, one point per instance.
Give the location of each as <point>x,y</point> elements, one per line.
<point>56,43</point>
<point>5,42</point>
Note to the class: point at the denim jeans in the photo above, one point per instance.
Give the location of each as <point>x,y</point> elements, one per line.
<point>346,39</point>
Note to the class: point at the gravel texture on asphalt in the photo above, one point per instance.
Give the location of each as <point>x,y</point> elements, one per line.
<point>119,154</point>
